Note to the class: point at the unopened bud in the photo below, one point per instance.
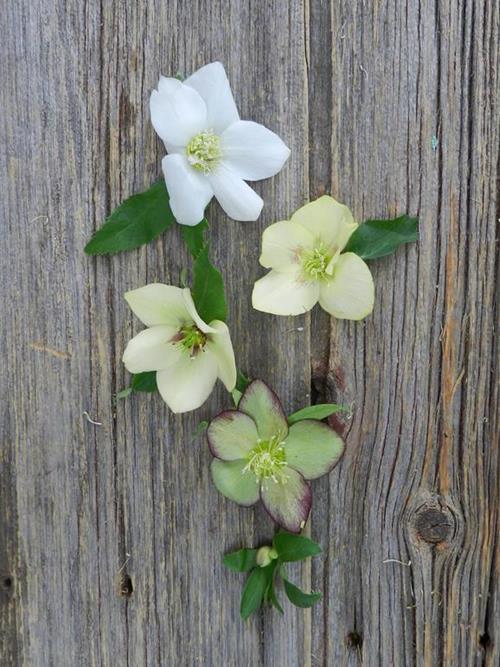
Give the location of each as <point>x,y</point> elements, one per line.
<point>265,555</point>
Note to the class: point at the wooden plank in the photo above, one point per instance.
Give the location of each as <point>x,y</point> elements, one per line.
<point>111,535</point>
<point>117,547</point>
<point>411,513</point>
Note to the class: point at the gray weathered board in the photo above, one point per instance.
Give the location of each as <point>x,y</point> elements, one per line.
<point>111,535</point>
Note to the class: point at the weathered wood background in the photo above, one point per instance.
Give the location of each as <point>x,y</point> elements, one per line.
<point>111,536</point>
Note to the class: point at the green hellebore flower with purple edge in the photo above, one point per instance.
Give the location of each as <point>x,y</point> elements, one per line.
<point>258,455</point>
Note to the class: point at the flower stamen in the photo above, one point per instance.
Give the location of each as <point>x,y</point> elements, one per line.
<point>315,262</point>
<point>267,460</point>
<point>204,152</point>
<point>191,339</point>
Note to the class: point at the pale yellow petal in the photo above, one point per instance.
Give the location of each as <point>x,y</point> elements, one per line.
<point>349,293</point>
<point>284,294</point>
<point>327,220</point>
<point>282,244</point>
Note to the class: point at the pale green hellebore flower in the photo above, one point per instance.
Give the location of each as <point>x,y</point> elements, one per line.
<point>188,354</point>
<point>259,456</point>
<point>304,255</point>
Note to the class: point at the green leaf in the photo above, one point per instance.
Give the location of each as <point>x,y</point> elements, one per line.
<point>236,395</point>
<point>124,393</point>
<point>319,411</point>
<point>138,220</point>
<point>208,289</point>
<point>242,560</point>
<point>202,426</point>
<point>242,381</point>
<point>298,597</point>
<point>294,547</point>
<point>253,592</point>
<point>273,598</point>
<point>377,238</point>
<point>144,381</point>
<point>194,237</point>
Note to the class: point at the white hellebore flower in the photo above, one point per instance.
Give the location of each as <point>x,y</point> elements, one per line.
<point>304,254</point>
<point>187,354</point>
<point>211,151</point>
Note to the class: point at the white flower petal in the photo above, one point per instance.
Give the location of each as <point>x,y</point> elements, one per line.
<point>159,304</point>
<point>284,294</point>
<point>151,350</point>
<point>188,383</point>
<point>282,243</point>
<point>221,347</point>
<point>349,294</point>
<point>237,198</point>
<point>212,84</point>
<point>252,151</point>
<point>178,112</point>
<point>189,191</point>
<point>191,308</point>
<point>327,220</point>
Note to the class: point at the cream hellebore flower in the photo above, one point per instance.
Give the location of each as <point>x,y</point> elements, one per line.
<point>304,255</point>
<point>259,456</point>
<point>187,354</point>
<point>211,151</point>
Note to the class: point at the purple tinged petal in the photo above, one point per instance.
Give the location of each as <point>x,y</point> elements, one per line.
<point>231,435</point>
<point>312,448</point>
<point>288,503</point>
<point>262,404</point>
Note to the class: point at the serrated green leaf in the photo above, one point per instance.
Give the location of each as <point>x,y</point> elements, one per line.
<point>242,560</point>
<point>144,381</point>
<point>194,237</point>
<point>294,547</point>
<point>138,220</point>
<point>319,411</point>
<point>378,238</point>
<point>253,592</point>
<point>208,289</point>
<point>298,597</point>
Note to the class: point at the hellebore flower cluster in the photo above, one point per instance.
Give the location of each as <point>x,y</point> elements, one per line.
<point>188,354</point>
<point>257,455</point>
<point>307,265</point>
<point>211,152</point>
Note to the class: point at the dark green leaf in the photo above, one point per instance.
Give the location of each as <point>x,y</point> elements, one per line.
<point>242,560</point>
<point>298,597</point>
<point>202,426</point>
<point>236,397</point>
<point>194,237</point>
<point>144,381</point>
<point>138,220</point>
<point>319,411</point>
<point>253,591</point>
<point>273,598</point>
<point>377,238</point>
<point>208,289</point>
<point>242,381</point>
<point>294,547</point>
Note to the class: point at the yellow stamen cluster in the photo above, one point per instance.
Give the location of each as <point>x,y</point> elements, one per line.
<point>315,262</point>
<point>267,460</point>
<point>193,340</point>
<point>203,151</point>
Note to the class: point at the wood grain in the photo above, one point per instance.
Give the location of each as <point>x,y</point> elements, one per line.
<point>111,535</point>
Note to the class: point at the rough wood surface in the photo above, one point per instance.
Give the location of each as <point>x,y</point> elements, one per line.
<point>111,534</point>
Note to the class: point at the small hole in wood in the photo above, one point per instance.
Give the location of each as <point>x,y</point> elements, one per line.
<point>354,640</point>
<point>126,588</point>
<point>485,640</point>
<point>6,582</point>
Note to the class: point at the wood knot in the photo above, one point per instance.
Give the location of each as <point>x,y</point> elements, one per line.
<point>434,525</point>
<point>7,584</point>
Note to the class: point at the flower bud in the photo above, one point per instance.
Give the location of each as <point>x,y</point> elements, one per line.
<point>265,555</point>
